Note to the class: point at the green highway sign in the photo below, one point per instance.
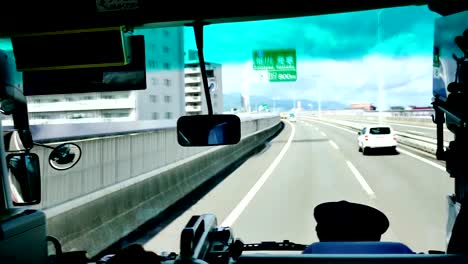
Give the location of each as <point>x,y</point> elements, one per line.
<point>280,64</point>
<point>282,59</point>
<point>282,76</point>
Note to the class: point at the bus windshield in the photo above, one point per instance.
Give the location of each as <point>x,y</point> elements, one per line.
<point>332,75</point>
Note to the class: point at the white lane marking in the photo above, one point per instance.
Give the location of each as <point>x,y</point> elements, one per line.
<point>398,124</point>
<point>361,179</point>
<point>345,129</point>
<point>399,149</point>
<point>391,123</point>
<point>421,159</point>
<point>403,125</point>
<point>415,132</point>
<point>333,144</point>
<point>417,151</point>
<point>232,217</point>
<point>422,127</point>
<point>323,133</point>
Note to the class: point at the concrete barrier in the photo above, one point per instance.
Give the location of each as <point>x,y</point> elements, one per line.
<point>123,181</point>
<point>113,153</point>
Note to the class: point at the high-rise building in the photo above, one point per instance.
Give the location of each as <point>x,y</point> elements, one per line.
<point>195,101</point>
<point>163,98</point>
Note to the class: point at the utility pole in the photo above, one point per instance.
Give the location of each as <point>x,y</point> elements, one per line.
<point>380,78</point>
<point>319,99</point>
<point>294,100</point>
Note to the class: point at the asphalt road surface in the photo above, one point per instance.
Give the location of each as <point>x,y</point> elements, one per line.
<point>418,130</point>
<point>271,196</point>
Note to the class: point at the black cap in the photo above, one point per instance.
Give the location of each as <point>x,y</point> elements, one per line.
<point>345,221</point>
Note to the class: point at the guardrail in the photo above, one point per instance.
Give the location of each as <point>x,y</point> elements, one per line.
<point>411,117</point>
<point>395,113</point>
<point>129,173</point>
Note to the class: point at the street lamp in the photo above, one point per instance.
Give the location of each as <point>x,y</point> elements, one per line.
<point>319,99</point>
<point>274,103</point>
<point>380,78</point>
<point>294,100</point>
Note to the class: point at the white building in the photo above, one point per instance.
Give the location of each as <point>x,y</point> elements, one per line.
<point>163,98</point>
<point>195,101</point>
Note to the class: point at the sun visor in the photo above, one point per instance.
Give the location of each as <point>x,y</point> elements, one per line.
<point>85,48</point>
<point>102,79</point>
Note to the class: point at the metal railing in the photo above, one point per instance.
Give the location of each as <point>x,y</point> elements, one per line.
<point>416,117</point>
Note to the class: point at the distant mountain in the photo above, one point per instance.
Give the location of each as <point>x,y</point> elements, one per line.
<point>233,100</point>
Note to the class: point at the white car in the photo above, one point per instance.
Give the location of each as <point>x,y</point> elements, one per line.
<point>376,137</point>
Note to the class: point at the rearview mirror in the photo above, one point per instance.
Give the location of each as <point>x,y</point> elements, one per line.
<point>208,130</point>
<point>24,177</point>
<point>65,156</point>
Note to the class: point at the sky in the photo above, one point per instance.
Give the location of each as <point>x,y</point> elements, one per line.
<point>340,56</point>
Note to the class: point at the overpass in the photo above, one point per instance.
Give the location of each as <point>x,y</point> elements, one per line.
<point>132,172</point>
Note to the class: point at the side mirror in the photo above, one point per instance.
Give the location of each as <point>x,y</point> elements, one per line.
<point>65,156</point>
<point>208,130</point>
<point>24,178</point>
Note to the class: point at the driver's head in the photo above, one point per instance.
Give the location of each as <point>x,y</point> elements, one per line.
<point>345,221</point>
<point>135,254</point>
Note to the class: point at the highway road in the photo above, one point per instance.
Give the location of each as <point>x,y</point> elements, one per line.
<point>272,195</point>
<point>423,131</point>
<point>418,130</point>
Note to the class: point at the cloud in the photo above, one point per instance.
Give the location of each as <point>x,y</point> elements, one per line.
<point>341,57</point>
<point>341,54</point>
<point>405,31</point>
<point>403,80</point>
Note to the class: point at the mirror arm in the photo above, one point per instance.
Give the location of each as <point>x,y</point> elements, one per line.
<point>43,145</point>
<point>21,123</point>
<point>198,29</point>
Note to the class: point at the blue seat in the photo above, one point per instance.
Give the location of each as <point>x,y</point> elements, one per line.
<point>357,248</point>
